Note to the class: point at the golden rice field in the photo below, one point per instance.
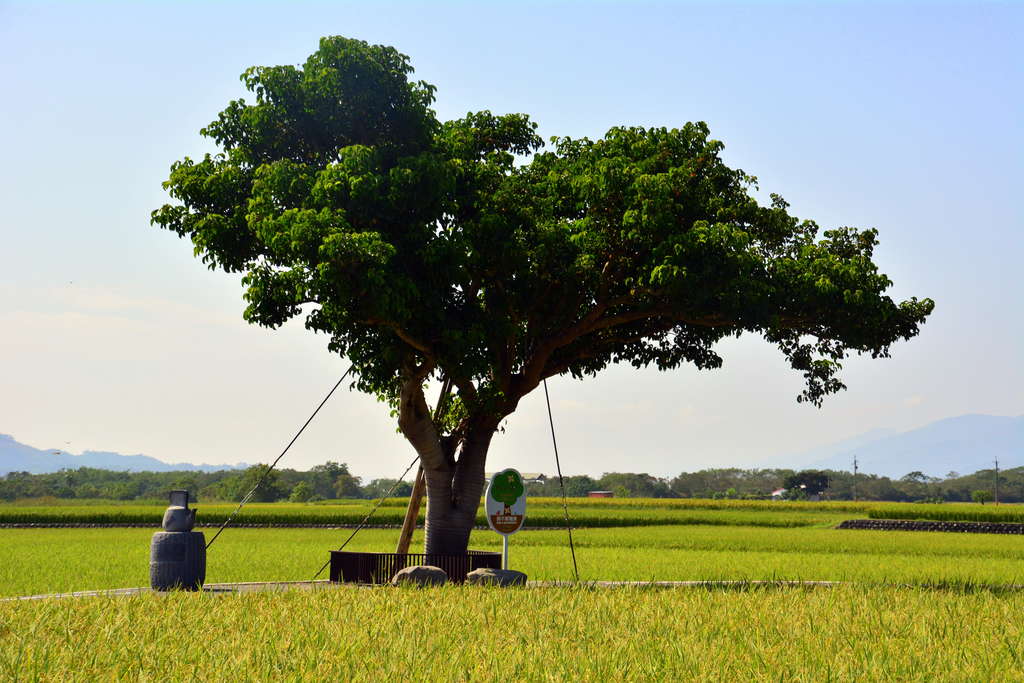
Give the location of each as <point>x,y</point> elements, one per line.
<point>909,606</point>
<point>845,633</point>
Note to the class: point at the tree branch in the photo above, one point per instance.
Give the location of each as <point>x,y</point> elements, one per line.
<point>415,421</point>
<point>417,344</point>
<point>465,386</point>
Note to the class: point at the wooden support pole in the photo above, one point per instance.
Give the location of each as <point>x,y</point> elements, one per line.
<point>412,512</point>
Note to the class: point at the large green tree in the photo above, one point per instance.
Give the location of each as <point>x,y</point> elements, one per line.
<point>459,251</point>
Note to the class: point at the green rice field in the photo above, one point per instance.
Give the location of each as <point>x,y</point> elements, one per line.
<point>910,605</point>
<point>60,560</point>
<point>730,542</point>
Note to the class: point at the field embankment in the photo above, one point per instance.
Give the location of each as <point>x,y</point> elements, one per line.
<point>932,525</point>
<point>949,512</point>
<point>542,512</point>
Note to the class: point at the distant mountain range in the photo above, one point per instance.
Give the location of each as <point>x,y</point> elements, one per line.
<point>17,457</point>
<point>963,444</point>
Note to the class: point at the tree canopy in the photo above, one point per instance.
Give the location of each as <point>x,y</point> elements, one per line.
<point>811,482</point>
<point>467,250</point>
<point>415,242</point>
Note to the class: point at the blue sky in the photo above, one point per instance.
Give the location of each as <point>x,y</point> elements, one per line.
<point>901,116</point>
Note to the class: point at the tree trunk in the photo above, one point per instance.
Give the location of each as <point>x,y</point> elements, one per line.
<point>453,485</point>
<point>453,495</point>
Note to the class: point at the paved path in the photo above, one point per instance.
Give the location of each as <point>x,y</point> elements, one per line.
<point>235,525</point>
<point>216,588</point>
<point>278,586</point>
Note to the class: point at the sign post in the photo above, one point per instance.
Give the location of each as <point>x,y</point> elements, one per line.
<point>505,506</point>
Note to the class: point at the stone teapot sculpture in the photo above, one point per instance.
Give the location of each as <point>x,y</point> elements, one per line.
<point>178,517</point>
<point>177,555</point>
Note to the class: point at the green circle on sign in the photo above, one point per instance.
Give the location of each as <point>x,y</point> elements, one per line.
<point>507,487</point>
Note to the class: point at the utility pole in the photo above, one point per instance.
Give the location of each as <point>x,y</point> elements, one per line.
<point>996,486</point>
<point>855,478</point>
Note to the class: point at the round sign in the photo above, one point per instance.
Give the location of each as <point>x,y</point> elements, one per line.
<point>505,502</point>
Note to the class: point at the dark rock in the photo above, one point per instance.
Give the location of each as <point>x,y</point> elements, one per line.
<point>496,577</point>
<point>420,575</point>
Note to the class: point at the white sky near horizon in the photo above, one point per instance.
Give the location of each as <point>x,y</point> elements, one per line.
<point>902,116</point>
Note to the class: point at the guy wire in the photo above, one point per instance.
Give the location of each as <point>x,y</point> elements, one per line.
<point>561,483</point>
<point>252,492</point>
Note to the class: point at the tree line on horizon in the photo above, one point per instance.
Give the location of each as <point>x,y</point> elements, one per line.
<point>333,480</point>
